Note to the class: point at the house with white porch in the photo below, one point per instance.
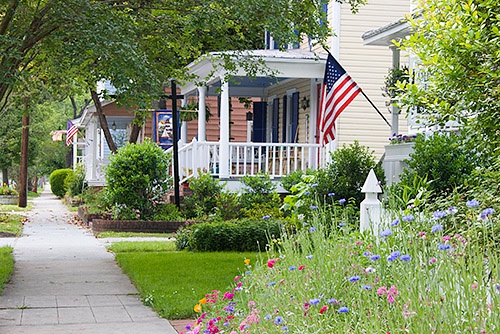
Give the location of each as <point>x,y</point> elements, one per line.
<point>277,133</point>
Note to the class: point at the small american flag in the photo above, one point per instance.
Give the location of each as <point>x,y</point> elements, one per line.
<point>337,92</point>
<point>71,130</point>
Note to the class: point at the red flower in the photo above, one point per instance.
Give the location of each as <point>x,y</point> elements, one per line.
<point>323,309</point>
<point>302,267</point>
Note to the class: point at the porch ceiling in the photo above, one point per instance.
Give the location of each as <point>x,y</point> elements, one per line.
<point>384,36</point>
<point>289,64</point>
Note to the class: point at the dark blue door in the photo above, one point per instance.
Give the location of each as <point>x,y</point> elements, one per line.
<point>259,122</point>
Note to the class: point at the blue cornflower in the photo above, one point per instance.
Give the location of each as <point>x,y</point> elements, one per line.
<point>314,207</point>
<point>452,210</point>
<point>271,283</point>
<point>226,324</point>
<point>342,201</point>
<point>266,217</point>
<point>284,328</point>
<point>393,256</point>
<point>331,301</point>
<point>331,194</point>
<point>405,257</point>
<point>309,256</point>
<point>395,222</point>
<point>444,246</point>
<point>408,218</point>
<point>437,227</point>
<point>342,224</point>
<point>472,203</point>
<point>385,233</point>
<point>292,268</point>
<point>439,214</point>
<point>314,185</point>
<point>229,308</point>
<point>367,287</point>
<point>248,272</point>
<point>366,253</point>
<point>343,310</point>
<point>268,317</point>
<point>375,257</point>
<point>312,229</point>
<point>314,301</point>
<point>307,193</point>
<point>354,278</point>
<point>486,213</point>
<point>279,320</point>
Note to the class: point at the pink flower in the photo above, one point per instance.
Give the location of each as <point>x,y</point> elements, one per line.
<point>302,267</point>
<point>382,291</point>
<point>446,238</point>
<point>228,296</point>
<point>237,278</point>
<point>251,304</point>
<point>271,262</point>
<point>323,309</point>
<point>433,260</point>
<point>474,285</point>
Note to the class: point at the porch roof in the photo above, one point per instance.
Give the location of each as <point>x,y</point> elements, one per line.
<point>284,65</point>
<point>384,35</point>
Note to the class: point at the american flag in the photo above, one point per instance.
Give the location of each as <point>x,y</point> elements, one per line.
<point>71,130</point>
<point>337,92</point>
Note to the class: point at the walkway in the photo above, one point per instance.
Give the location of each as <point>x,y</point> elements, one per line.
<point>66,282</point>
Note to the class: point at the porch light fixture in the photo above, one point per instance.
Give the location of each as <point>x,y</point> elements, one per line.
<point>249,116</point>
<point>113,126</point>
<point>304,103</point>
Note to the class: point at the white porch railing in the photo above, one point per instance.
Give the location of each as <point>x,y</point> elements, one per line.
<point>275,159</point>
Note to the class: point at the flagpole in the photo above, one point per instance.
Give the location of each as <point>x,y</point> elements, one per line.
<point>378,111</point>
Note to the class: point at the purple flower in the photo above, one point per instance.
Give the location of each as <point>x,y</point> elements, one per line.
<point>366,253</point>
<point>367,287</point>
<point>486,213</point>
<point>395,222</point>
<point>385,233</point>
<point>307,193</point>
<point>314,301</point>
<point>437,227</point>
<point>393,256</point>
<point>266,217</point>
<point>452,210</point>
<point>439,214</point>
<point>472,203</point>
<point>279,320</point>
<point>331,301</point>
<point>343,310</point>
<point>271,283</point>
<point>268,317</point>
<point>405,257</point>
<point>309,257</point>
<point>342,224</point>
<point>292,268</point>
<point>331,194</point>
<point>314,185</point>
<point>408,218</point>
<point>342,201</point>
<point>314,207</point>
<point>444,246</point>
<point>375,257</point>
<point>354,278</point>
<point>312,229</point>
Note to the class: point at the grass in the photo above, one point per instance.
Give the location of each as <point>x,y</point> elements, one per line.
<point>143,246</point>
<point>6,265</point>
<point>15,208</point>
<point>112,234</point>
<point>172,282</point>
<point>11,225</point>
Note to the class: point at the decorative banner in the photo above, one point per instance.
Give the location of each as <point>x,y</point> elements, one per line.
<point>163,129</point>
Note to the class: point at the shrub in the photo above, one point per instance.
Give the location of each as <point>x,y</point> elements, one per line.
<point>57,179</point>
<point>345,175</point>
<point>203,201</point>
<point>242,235</point>
<point>259,197</point>
<point>137,179</point>
<point>75,182</point>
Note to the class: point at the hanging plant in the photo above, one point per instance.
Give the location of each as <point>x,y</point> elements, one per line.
<point>393,82</point>
<point>190,112</point>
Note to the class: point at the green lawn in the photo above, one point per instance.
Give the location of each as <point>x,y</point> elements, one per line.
<point>173,282</point>
<point>6,265</point>
<point>112,234</point>
<point>11,225</point>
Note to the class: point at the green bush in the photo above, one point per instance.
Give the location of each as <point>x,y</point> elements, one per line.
<point>259,197</point>
<point>56,180</point>
<point>206,192</point>
<point>345,175</point>
<point>242,235</point>
<point>75,182</point>
<point>137,180</point>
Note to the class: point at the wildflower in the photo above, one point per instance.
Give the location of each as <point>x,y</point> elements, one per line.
<point>381,291</point>
<point>312,229</point>
<point>343,310</point>
<point>452,210</point>
<point>408,218</point>
<point>278,320</point>
<point>366,253</point>
<point>432,260</point>
<point>266,217</point>
<point>314,207</point>
<point>331,301</point>
<point>370,270</point>
<point>271,263</point>
<point>314,185</point>
<point>228,296</point>
<point>310,256</point>
<point>474,285</point>
<point>405,257</point>
<point>300,216</point>
<point>323,309</point>
<point>229,308</point>
<point>385,233</point>
<point>302,267</point>
<point>354,278</point>
<point>342,224</point>
<point>314,301</point>
<point>342,201</point>
<point>292,268</point>
<point>203,301</point>
<point>436,228</point>
<point>284,328</point>
<point>439,214</point>
<point>444,246</point>
<point>391,294</point>
<point>394,255</point>
<point>367,287</point>
<point>248,272</point>
<point>197,308</point>
<point>331,194</point>
<point>271,283</point>
<point>247,261</point>
<point>446,238</point>
<point>237,278</point>
<point>268,317</point>
<point>472,203</point>
<point>486,213</point>
<point>395,222</point>
<point>375,257</point>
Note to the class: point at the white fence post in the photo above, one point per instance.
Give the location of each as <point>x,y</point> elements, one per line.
<point>370,209</point>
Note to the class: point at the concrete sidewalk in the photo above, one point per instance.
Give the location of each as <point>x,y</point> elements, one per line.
<point>66,282</point>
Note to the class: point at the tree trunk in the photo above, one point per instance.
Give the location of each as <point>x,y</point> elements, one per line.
<point>103,121</point>
<point>23,171</point>
<point>5,176</point>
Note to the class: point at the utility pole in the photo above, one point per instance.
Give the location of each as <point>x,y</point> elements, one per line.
<point>23,172</point>
<point>175,152</point>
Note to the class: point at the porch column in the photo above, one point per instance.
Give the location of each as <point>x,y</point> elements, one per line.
<point>184,126</point>
<point>91,147</point>
<point>394,109</point>
<point>313,117</point>
<point>202,117</point>
<point>224,131</point>
<point>75,150</point>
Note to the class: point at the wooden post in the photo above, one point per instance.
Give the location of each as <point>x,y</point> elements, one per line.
<point>370,209</point>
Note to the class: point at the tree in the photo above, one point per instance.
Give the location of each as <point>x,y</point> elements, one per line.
<point>457,43</point>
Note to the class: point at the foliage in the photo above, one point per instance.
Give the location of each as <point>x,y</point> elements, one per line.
<point>168,281</point>
<point>345,175</point>
<point>137,180</point>
<point>11,225</point>
<point>400,138</point>
<point>206,192</point>
<point>457,44</point>
<point>238,235</point>
<point>6,265</point>
<point>445,160</point>
<point>75,182</point>
<point>396,78</point>
<point>259,196</point>
<point>56,181</point>
<point>96,201</point>
<point>6,190</point>
<point>321,280</point>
